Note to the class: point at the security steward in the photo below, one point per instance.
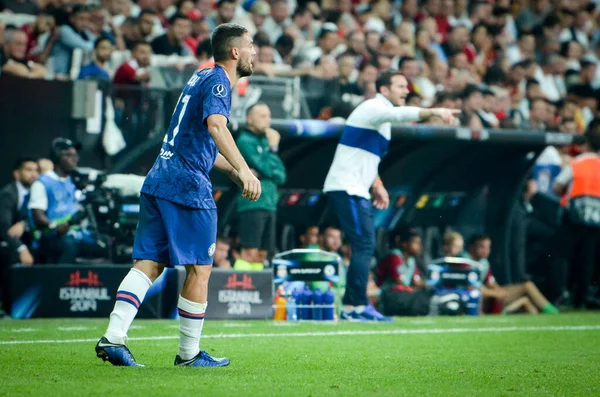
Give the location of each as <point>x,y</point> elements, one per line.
<point>579,185</point>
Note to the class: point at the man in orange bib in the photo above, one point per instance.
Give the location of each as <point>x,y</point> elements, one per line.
<point>579,184</point>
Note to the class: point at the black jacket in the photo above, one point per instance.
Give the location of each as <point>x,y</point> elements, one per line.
<point>9,214</point>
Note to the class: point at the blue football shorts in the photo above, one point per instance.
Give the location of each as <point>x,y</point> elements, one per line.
<point>173,234</point>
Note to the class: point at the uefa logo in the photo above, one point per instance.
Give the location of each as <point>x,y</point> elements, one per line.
<point>219,91</point>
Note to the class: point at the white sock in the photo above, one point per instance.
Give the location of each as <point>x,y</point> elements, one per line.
<point>191,320</point>
<point>130,295</point>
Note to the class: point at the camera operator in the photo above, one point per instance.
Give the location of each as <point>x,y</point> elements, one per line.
<point>54,207</point>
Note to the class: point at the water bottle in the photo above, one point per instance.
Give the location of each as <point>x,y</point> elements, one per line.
<point>292,310</point>
<point>299,300</point>
<point>434,305</point>
<point>473,303</point>
<point>307,302</point>
<point>318,302</point>
<point>328,301</point>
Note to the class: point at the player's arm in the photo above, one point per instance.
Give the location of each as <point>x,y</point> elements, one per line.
<point>217,128</point>
<point>406,114</point>
<point>222,165</point>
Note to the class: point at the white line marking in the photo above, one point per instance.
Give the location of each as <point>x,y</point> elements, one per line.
<point>333,333</point>
<point>73,328</point>
<point>22,330</point>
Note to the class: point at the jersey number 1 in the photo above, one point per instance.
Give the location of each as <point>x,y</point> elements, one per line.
<point>185,100</point>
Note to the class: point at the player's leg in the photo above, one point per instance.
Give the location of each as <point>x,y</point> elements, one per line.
<point>530,290</point>
<point>151,250</point>
<point>192,235</point>
<point>521,303</point>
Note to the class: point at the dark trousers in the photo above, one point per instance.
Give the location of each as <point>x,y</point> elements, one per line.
<point>577,258</point>
<point>355,215</point>
<point>55,249</point>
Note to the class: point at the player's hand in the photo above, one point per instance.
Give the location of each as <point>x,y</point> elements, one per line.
<point>250,185</point>
<point>381,197</point>
<point>25,258</point>
<point>447,115</point>
<point>16,230</point>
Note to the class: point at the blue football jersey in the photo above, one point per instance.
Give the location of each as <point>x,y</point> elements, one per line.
<point>188,153</point>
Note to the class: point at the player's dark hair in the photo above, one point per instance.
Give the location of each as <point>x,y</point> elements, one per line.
<point>223,38</point>
<point>20,162</point>
<point>477,238</point>
<point>177,17</point>
<point>100,40</point>
<point>592,134</point>
<point>385,79</point>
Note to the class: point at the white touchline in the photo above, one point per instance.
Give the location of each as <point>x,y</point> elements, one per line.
<point>332,333</point>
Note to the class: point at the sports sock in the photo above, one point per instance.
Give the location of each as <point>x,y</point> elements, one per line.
<point>191,320</point>
<point>550,309</point>
<point>130,295</point>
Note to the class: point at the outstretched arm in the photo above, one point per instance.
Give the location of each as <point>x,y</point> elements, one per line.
<point>405,114</point>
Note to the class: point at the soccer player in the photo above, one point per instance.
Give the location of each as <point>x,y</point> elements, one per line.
<point>353,178</point>
<point>178,216</point>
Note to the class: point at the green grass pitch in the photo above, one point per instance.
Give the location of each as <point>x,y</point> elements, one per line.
<point>452,356</point>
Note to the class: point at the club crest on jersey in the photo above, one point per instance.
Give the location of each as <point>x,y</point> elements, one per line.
<point>219,90</point>
<point>211,249</point>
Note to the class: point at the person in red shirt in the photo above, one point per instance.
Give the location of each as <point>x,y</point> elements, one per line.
<point>135,71</point>
<point>398,276</point>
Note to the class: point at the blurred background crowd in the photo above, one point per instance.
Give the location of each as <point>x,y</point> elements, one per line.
<point>507,64</point>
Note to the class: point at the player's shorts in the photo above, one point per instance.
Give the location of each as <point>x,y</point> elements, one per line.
<point>173,234</point>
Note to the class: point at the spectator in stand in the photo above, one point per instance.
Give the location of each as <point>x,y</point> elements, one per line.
<point>327,41</point>
<point>304,27</point>
<point>225,13</point>
<point>172,42</point>
<point>458,41</point>
<point>221,258</point>
<point>473,102</point>
<point>525,296</point>
<point>537,114</point>
<point>41,36</point>
<point>135,71</point>
<point>279,21</point>
<point>98,69</point>
<point>143,28</point>
<point>402,287</point>
<point>73,35</point>
<point>409,67</point>
<point>200,33</point>
<point>255,21</point>
<point>259,144</point>
<point>453,244</point>
<point>15,62</point>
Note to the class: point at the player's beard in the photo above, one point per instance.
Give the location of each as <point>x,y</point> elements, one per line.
<point>244,69</point>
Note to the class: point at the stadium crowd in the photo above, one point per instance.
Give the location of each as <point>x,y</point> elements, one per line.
<point>520,64</point>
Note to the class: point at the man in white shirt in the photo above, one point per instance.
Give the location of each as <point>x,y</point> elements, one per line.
<point>353,177</point>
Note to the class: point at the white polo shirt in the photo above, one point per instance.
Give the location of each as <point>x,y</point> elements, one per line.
<point>365,140</point>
